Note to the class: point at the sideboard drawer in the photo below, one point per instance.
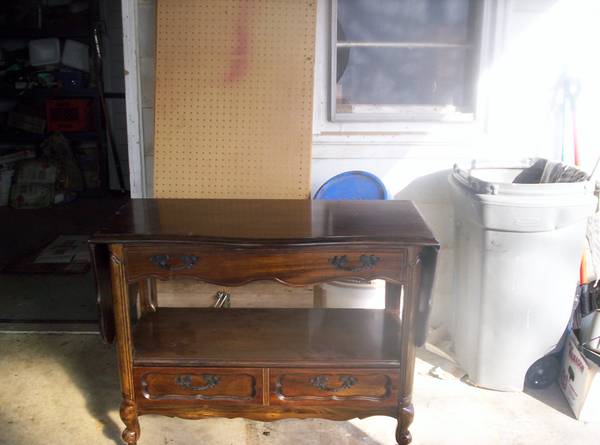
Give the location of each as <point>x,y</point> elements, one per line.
<point>291,265</point>
<point>333,386</point>
<point>201,385</point>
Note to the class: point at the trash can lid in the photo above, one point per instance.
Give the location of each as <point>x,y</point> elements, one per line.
<point>353,185</point>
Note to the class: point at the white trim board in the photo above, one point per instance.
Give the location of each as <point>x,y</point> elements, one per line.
<point>133,100</point>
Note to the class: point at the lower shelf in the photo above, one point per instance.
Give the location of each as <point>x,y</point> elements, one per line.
<point>267,338</point>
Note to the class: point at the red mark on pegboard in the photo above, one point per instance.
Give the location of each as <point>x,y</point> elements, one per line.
<point>240,54</point>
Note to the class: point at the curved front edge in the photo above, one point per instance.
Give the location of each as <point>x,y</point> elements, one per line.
<point>427,263</point>
<point>270,413</point>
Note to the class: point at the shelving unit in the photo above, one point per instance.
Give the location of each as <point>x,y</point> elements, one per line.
<point>96,133</point>
<point>42,21</point>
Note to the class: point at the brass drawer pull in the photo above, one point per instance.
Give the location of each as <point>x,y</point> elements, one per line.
<point>321,382</point>
<point>164,262</point>
<point>210,381</point>
<point>365,262</point>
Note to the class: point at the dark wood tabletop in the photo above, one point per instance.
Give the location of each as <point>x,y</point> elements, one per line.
<point>269,221</point>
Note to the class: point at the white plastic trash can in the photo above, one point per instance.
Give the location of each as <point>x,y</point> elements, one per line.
<point>517,254</point>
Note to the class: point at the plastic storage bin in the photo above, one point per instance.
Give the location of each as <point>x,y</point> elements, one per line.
<point>517,255</point>
<point>44,51</point>
<point>75,55</point>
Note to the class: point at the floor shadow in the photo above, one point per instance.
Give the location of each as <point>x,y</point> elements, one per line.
<point>55,386</point>
<point>309,431</point>
<point>439,362</point>
<point>23,233</point>
<point>553,397</point>
<point>92,367</point>
<point>357,433</point>
<point>94,371</point>
<point>48,297</point>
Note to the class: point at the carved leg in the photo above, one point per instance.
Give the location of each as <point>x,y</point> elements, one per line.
<point>407,345</point>
<point>128,413</point>
<point>393,302</point>
<point>405,418</point>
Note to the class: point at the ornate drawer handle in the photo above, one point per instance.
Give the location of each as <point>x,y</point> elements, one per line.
<point>164,262</point>
<point>321,382</point>
<point>210,381</point>
<point>365,262</point>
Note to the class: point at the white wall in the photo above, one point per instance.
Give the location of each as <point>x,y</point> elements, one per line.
<point>533,43</point>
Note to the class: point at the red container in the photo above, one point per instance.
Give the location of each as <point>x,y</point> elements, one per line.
<point>69,115</point>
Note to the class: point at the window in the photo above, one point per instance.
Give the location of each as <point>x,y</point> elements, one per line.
<point>404,59</point>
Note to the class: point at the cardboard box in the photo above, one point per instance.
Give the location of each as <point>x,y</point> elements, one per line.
<point>580,382</point>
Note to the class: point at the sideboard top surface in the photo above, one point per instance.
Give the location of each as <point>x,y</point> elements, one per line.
<point>268,221</point>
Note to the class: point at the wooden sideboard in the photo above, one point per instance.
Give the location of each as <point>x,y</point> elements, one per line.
<point>264,364</point>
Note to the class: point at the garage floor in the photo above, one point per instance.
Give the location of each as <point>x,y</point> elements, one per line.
<point>62,388</point>
<point>28,297</point>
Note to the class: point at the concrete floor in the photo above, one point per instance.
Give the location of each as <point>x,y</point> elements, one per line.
<point>48,297</point>
<point>69,297</point>
<point>61,388</point>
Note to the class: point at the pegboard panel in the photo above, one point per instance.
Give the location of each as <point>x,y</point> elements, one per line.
<point>234,89</point>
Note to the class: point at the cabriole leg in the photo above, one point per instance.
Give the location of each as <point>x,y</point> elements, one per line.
<point>405,418</point>
<point>406,411</point>
<point>128,413</point>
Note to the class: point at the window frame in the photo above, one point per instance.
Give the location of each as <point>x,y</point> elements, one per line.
<point>405,113</point>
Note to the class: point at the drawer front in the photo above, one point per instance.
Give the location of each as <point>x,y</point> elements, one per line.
<point>199,385</point>
<point>296,266</point>
<point>336,387</point>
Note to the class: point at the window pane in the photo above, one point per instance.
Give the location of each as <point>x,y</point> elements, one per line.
<point>401,76</point>
<point>443,21</point>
